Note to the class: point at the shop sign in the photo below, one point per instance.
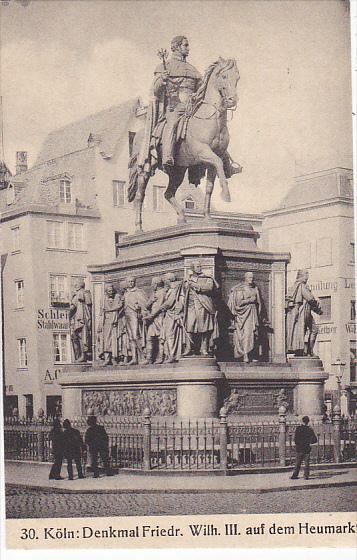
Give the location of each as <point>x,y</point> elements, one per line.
<point>327,329</point>
<point>351,328</point>
<point>51,375</point>
<point>53,319</point>
<point>317,286</point>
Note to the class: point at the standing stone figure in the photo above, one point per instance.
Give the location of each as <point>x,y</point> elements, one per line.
<point>122,335</point>
<point>135,302</point>
<point>153,321</point>
<point>172,325</point>
<point>301,327</point>
<point>200,317</point>
<point>80,318</point>
<point>245,305</point>
<point>107,327</point>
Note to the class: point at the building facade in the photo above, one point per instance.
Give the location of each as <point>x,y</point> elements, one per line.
<point>315,223</point>
<point>66,212</point>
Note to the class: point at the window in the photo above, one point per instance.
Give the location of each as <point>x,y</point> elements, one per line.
<point>189,203</point>
<point>28,406</point>
<point>55,234</point>
<point>131,142</point>
<point>325,303</point>
<point>19,288</point>
<point>61,348</point>
<point>352,253</point>
<point>353,310</point>
<point>158,198</point>
<point>119,193</point>
<point>75,236</point>
<point>324,251</point>
<point>65,191</point>
<point>22,352</point>
<point>16,238</point>
<point>58,289</point>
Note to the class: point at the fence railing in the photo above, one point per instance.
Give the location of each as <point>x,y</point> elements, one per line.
<point>208,444</point>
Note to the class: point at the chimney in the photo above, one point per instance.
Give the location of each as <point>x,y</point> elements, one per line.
<point>21,162</point>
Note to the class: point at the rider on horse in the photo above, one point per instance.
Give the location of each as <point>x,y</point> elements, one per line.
<point>174,83</point>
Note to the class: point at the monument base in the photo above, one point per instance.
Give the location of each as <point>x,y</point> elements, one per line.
<point>196,387</point>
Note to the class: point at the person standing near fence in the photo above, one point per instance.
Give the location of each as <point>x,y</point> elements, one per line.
<point>73,446</point>
<point>56,436</point>
<point>97,440</point>
<point>304,438</point>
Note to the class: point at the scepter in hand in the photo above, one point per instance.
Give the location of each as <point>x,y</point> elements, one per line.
<point>163,55</point>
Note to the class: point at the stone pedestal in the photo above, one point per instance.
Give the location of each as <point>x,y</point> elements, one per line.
<point>310,388</point>
<point>226,250</point>
<point>198,384</point>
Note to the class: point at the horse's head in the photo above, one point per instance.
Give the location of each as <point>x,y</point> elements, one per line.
<point>226,76</point>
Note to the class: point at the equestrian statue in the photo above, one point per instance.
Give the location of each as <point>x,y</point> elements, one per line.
<point>185,129</point>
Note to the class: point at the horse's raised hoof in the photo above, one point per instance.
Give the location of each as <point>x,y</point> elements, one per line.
<point>225,195</point>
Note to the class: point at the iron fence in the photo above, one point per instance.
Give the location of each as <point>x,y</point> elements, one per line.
<point>146,443</point>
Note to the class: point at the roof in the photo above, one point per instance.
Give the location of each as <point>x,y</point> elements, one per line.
<point>106,127</point>
<point>319,187</point>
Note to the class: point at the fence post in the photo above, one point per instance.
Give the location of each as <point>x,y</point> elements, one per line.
<point>336,421</point>
<point>223,437</point>
<point>147,439</point>
<point>41,445</point>
<point>282,436</point>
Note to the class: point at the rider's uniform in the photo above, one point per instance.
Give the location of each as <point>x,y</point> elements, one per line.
<point>183,80</point>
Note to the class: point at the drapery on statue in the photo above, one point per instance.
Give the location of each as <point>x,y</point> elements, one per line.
<point>107,335</point>
<point>172,325</point>
<point>135,302</point>
<point>245,305</point>
<point>301,327</point>
<point>80,320</point>
<point>153,321</point>
<point>186,128</point>
<point>200,315</point>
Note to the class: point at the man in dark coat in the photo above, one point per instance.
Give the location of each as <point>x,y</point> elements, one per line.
<point>97,440</point>
<point>56,437</point>
<point>73,446</point>
<point>304,437</point>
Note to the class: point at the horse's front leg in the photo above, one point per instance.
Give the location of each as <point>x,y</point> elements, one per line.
<point>206,155</point>
<point>211,175</point>
<point>138,203</point>
<point>175,180</point>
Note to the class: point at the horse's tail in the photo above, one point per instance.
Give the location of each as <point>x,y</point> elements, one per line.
<point>133,176</point>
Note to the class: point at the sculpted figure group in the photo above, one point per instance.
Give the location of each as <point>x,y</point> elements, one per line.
<point>178,318</point>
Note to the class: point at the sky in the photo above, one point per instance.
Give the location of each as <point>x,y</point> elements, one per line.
<point>62,60</point>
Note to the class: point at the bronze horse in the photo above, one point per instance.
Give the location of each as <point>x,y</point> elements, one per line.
<point>205,142</point>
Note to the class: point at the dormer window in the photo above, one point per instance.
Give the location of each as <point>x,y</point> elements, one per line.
<point>65,191</point>
<point>189,203</point>
<point>10,194</point>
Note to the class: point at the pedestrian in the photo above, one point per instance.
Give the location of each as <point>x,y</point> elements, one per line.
<point>73,446</point>
<point>304,437</point>
<point>56,436</point>
<point>98,444</point>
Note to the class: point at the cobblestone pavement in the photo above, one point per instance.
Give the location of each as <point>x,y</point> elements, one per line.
<point>29,503</point>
